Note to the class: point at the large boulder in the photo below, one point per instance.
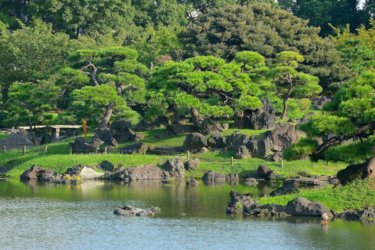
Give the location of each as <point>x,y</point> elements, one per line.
<point>145,172</point>
<point>262,118</point>
<point>264,172</point>
<point>276,141</point>
<point>238,202</point>
<point>211,177</point>
<point>216,141</point>
<point>366,215</point>
<point>88,173</point>
<point>39,174</point>
<point>175,168</point>
<point>137,148</point>
<point>122,132</point>
<point>303,207</point>
<point>242,153</point>
<point>191,164</point>
<point>105,135</point>
<point>107,165</point>
<point>128,210</point>
<point>237,140</point>
<point>195,142</point>
<point>357,172</point>
<point>209,126</point>
<point>80,146</point>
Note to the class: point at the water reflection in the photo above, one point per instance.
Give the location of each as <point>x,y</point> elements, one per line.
<point>80,217</point>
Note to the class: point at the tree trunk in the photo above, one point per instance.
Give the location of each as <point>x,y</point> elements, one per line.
<point>285,108</point>
<point>107,115</point>
<point>32,133</point>
<point>195,116</point>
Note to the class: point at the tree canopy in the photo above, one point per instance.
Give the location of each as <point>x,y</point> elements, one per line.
<point>267,30</point>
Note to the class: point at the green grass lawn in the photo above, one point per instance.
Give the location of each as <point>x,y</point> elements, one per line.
<point>357,195</point>
<point>59,159</point>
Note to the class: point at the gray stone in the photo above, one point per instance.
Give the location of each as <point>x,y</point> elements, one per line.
<point>216,141</point>
<point>237,140</point>
<point>303,207</point>
<point>122,132</point>
<point>107,165</point>
<point>251,182</point>
<point>145,172</point>
<point>105,135</point>
<point>128,210</point>
<point>39,174</point>
<point>137,148</point>
<point>262,118</point>
<point>194,142</point>
<point>242,153</point>
<point>211,177</point>
<point>175,168</point>
<point>192,164</point>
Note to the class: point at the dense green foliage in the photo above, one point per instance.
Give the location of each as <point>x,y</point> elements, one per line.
<point>62,61</point>
<point>267,30</point>
<point>324,13</point>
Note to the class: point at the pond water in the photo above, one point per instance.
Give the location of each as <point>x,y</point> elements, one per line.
<point>81,217</point>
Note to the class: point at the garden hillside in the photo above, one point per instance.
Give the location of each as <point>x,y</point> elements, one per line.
<point>242,86</point>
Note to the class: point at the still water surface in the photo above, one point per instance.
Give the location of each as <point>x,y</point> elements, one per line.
<point>80,217</point>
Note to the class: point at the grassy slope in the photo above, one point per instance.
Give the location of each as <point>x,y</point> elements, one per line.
<point>354,196</point>
<point>357,195</point>
<point>58,158</point>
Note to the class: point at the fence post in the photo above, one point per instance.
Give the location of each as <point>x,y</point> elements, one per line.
<point>70,150</point>
<point>106,150</point>
<point>45,149</point>
<point>4,149</point>
<point>282,163</point>
<point>24,149</point>
<point>188,155</point>
<point>231,161</point>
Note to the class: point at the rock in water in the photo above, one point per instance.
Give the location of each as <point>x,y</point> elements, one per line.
<point>128,210</point>
<point>212,178</point>
<point>39,174</point>
<point>90,174</point>
<point>303,207</point>
<point>140,173</point>
<point>175,168</point>
<point>357,172</point>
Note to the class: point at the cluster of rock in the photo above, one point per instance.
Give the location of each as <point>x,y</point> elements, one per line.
<point>73,174</point>
<point>366,215</point>
<point>128,210</point>
<point>106,139</point>
<point>262,118</point>
<point>171,169</point>
<point>244,203</point>
<point>269,146</point>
